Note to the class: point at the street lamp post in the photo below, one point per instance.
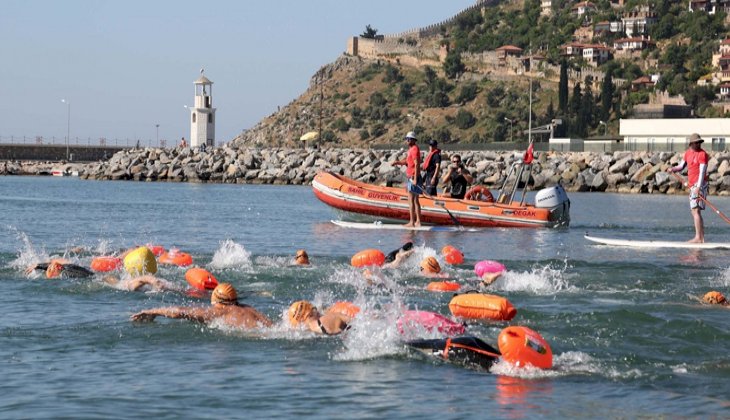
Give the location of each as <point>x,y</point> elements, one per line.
<point>157,134</point>
<point>605,127</point>
<point>68,126</point>
<point>510,128</point>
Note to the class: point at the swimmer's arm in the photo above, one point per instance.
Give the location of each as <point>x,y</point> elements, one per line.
<point>489,278</point>
<point>39,266</point>
<point>139,282</point>
<point>174,312</point>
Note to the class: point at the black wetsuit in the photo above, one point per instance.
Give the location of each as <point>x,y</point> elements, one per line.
<point>391,256</point>
<point>469,351</point>
<point>69,270</point>
<point>458,185</point>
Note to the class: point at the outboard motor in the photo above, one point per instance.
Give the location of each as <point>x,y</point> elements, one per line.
<point>556,199</point>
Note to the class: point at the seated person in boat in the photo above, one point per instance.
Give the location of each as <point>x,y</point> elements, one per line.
<point>715,298</point>
<point>224,307</point>
<point>137,283</point>
<point>301,258</point>
<point>457,177</point>
<point>58,267</point>
<point>304,313</point>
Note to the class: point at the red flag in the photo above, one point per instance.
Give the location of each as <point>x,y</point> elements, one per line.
<point>528,157</point>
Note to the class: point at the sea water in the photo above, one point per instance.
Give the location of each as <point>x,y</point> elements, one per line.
<point>628,336</point>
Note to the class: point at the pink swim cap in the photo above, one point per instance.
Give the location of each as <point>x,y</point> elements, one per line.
<point>488,266</point>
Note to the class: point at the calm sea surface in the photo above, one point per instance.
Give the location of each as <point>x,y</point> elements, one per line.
<point>628,338</point>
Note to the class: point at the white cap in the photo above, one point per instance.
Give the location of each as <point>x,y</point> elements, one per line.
<point>411,135</point>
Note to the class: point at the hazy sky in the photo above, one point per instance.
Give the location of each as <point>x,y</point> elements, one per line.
<point>128,65</point>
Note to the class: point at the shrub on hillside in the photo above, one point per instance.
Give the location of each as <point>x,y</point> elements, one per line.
<point>464,119</point>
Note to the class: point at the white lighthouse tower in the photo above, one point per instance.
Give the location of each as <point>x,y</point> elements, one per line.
<point>202,114</point>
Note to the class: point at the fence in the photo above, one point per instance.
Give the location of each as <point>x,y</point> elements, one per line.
<point>79,141</point>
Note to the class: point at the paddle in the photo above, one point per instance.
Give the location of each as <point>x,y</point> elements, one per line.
<point>443,205</point>
<point>719,213</point>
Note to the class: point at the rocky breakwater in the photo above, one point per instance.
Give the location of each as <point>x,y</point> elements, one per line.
<point>623,172</point>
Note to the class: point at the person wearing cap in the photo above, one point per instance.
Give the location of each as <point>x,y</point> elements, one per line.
<point>715,298</point>
<point>432,167</point>
<point>303,313</point>
<point>301,258</point>
<point>695,160</point>
<point>430,267</point>
<point>413,185</point>
<point>458,176</point>
<point>224,306</point>
<point>60,267</point>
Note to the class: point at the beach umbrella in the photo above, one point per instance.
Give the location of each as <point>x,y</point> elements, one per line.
<point>312,135</point>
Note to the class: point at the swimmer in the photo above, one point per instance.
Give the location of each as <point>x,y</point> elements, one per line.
<point>224,307</point>
<point>301,258</point>
<point>489,278</point>
<point>396,258</point>
<point>132,285</point>
<point>431,268</point>
<point>715,298</point>
<point>331,323</point>
<point>57,267</point>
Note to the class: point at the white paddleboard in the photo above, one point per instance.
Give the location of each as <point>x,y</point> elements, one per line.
<point>657,244</point>
<point>393,226</point>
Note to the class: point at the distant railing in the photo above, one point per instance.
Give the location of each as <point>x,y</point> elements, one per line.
<point>80,141</point>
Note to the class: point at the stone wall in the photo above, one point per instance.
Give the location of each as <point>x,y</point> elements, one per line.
<point>54,152</point>
<point>621,171</point>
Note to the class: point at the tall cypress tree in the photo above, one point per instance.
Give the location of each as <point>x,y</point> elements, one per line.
<point>563,87</point>
<point>607,91</point>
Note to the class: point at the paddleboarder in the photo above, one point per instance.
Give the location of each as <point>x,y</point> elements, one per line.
<point>414,186</point>
<point>695,160</point>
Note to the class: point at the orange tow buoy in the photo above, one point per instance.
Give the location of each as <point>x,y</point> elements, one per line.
<point>482,306</point>
<point>176,257</point>
<point>452,255</point>
<point>443,286</point>
<point>368,257</point>
<point>348,309</point>
<point>522,346</point>
<point>106,264</point>
<point>200,279</point>
<point>157,250</point>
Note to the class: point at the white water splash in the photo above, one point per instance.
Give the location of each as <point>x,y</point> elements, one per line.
<point>230,255</point>
<point>545,280</point>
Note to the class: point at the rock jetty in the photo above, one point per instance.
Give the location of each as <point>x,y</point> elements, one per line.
<point>623,171</point>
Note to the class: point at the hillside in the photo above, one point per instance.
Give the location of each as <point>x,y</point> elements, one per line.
<point>450,81</point>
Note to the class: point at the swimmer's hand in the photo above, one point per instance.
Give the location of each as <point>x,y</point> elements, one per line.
<point>29,270</point>
<point>489,278</point>
<point>143,316</point>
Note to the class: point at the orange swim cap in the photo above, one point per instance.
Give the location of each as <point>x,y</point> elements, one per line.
<point>299,311</point>
<point>714,298</point>
<point>302,257</point>
<point>224,294</point>
<point>54,270</point>
<point>430,265</point>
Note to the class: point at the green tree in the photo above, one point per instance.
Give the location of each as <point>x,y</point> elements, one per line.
<point>369,33</point>
<point>464,119</point>
<point>607,91</point>
<point>392,74</point>
<point>468,93</point>
<point>563,87</point>
<point>405,93</point>
<point>453,66</point>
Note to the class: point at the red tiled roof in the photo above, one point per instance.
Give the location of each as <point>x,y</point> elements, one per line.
<point>509,48</point>
<point>641,80</point>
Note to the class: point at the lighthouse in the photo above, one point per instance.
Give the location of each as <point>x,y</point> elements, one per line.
<point>202,114</point>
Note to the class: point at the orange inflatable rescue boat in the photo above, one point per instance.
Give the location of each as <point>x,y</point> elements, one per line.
<point>201,279</point>
<point>175,257</point>
<point>106,263</point>
<point>482,306</point>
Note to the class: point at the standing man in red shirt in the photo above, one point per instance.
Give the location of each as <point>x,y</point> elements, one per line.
<point>414,185</point>
<point>695,159</point>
